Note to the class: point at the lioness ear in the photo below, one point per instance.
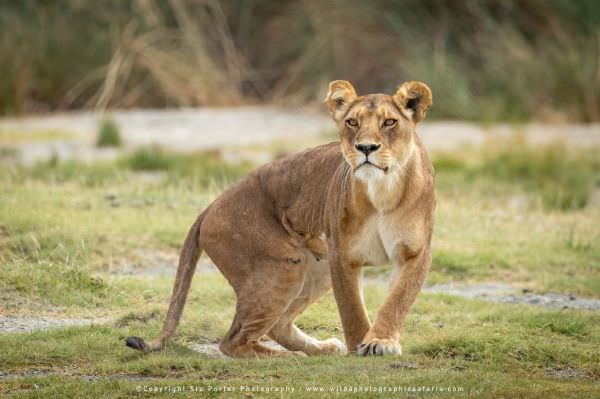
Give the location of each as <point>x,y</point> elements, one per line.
<point>415,98</point>
<point>341,94</point>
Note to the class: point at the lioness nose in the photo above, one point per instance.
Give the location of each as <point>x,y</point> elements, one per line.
<point>367,148</point>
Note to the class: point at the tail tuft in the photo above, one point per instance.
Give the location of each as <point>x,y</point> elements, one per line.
<point>137,343</point>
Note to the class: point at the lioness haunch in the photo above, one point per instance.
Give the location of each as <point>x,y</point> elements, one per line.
<point>292,229</point>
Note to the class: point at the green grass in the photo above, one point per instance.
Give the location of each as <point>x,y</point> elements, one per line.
<point>510,212</point>
<point>564,177</point>
<point>196,170</point>
<point>494,350</point>
<point>108,134</point>
<point>66,227</point>
<point>152,158</point>
<point>203,169</point>
<point>558,176</point>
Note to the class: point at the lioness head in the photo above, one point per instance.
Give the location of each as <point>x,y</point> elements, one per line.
<point>377,130</point>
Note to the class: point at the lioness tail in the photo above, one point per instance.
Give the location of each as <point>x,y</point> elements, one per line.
<point>190,253</point>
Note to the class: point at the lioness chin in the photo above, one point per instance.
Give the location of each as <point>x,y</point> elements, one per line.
<point>292,229</point>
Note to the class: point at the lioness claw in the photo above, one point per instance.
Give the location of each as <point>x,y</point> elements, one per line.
<point>379,347</point>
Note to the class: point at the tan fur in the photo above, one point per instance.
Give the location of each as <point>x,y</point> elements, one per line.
<point>289,231</point>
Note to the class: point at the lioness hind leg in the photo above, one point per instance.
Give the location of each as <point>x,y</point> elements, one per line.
<point>294,339</point>
<point>260,304</point>
<point>317,282</point>
<point>242,340</point>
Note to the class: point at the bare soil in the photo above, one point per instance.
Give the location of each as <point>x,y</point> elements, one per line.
<point>218,128</point>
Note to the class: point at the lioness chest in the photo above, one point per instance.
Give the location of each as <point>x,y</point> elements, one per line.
<point>373,242</point>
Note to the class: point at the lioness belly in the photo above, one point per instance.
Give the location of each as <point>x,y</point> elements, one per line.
<point>317,279</point>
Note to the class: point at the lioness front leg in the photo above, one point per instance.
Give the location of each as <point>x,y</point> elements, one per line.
<point>383,337</point>
<point>345,278</point>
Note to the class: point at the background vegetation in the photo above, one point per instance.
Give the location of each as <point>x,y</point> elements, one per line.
<point>485,60</point>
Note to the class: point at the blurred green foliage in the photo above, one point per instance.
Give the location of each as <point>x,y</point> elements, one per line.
<point>485,60</point>
<point>197,169</point>
<point>149,159</point>
<point>561,177</point>
<point>109,134</point>
<point>203,168</point>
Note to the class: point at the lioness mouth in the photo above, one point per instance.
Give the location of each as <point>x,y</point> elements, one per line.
<point>385,169</point>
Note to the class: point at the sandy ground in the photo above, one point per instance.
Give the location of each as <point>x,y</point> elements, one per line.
<point>218,128</point>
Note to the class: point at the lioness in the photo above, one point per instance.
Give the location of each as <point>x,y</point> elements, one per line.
<point>291,229</point>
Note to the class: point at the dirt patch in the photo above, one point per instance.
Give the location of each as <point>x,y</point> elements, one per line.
<point>152,263</point>
<point>18,324</point>
<point>85,377</point>
<point>25,374</point>
<point>218,128</point>
<point>565,372</point>
<point>212,351</point>
<point>180,130</point>
<point>503,293</point>
<point>404,365</point>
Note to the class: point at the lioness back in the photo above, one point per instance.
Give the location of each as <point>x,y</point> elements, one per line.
<point>298,184</point>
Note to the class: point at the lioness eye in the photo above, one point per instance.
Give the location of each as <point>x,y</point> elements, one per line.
<point>352,122</point>
<point>389,122</point>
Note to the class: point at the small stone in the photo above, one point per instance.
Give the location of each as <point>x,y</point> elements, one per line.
<point>404,365</point>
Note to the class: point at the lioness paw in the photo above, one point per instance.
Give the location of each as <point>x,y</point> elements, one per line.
<point>379,347</point>
<point>332,346</point>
